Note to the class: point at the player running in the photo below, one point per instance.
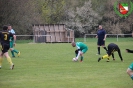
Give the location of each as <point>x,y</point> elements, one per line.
<point>12,42</point>
<point>111,49</point>
<point>81,49</point>
<point>5,43</point>
<point>130,68</point>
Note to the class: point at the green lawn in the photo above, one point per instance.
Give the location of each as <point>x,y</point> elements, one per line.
<point>51,66</point>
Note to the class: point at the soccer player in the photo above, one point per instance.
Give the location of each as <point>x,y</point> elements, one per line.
<point>12,42</point>
<point>81,49</point>
<point>111,49</point>
<point>101,35</point>
<point>130,68</point>
<point>5,43</point>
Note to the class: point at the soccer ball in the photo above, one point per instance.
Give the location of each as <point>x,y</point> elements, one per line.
<point>74,59</point>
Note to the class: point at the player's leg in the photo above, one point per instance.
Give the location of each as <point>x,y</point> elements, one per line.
<point>106,56</point>
<point>5,51</point>
<point>16,51</point>
<point>1,59</point>
<point>103,45</point>
<point>130,71</point>
<point>9,60</point>
<point>119,53</point>
<point>83,52</point>
<point>11,49</point>
<point>113,56</point>
<point>98,47</point>
<point>76,53</point>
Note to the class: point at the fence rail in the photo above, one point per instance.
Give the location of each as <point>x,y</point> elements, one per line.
<point>108,35</point>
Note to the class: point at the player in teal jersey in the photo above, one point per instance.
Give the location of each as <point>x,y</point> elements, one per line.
<point>81,49</point>
<point>130,68</point>
<point>12,42</point>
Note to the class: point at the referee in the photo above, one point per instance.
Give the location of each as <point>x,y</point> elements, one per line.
<point>101,35</point>
<point>111,49</point>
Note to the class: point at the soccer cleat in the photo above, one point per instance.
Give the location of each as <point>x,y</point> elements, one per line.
<point>99,59</point>
<point>0,67</point>
<point>13,56</point>
<point>107,61</point>
<point>12,67</point>
<point>18,53</point>
<point>81,61</point>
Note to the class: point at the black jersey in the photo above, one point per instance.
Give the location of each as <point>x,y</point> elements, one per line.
<point>5,37</point>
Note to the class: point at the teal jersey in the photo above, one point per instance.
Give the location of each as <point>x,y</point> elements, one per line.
<point>131,66</point>
<point>13,32</point>
<point>80,45</point>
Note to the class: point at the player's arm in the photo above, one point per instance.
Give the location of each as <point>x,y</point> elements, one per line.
<point>105,35</point>
<point>14,37</point>
<point>129,51</point>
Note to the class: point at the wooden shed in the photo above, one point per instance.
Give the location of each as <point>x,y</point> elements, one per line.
<point>52,33</point>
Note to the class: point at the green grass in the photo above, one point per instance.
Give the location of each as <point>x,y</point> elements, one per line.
<point>51,66</point>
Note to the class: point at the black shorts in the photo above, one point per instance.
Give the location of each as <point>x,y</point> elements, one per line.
<point>5,47</point>
<point>100,42</point>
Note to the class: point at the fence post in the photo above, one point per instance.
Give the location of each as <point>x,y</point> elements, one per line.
<point>117,37</point>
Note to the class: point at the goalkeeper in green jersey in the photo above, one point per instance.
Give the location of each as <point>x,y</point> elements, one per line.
<point>81,49</point>
<point>130,68</point>
<point>12,42</point>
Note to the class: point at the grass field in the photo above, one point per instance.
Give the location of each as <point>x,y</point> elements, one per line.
<point>51,66</point>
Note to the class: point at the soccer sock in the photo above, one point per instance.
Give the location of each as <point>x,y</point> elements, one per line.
<point>1,59</point>
<point>78,54</point>
<point>105,56</point>
<point>81,58</point>
<point>98,48</point>
<point>132,77</point>
<point>15,51</point>
<point>9,60</point>
<point>105,48</point>
<point>12,53</point>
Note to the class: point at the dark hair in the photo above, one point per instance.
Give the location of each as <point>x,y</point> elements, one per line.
<point>5,27</point>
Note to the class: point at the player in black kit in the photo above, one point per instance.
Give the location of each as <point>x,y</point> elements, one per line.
<point>5,43</point>
<point>111,49</point>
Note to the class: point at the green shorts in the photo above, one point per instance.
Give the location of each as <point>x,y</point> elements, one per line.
<point>131,66</point>
<point>84,50</point>
<point>11,44</point>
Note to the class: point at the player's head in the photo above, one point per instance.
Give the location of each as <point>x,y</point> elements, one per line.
<point>9,27</point>
<point>100,26</point>
<point>5,27</point>
<point>73,44</point>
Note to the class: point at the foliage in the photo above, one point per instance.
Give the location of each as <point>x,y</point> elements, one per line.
<point>80,15</point>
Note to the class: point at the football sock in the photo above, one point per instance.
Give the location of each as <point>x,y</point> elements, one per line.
<point>81,58</point>
<point>105,48</point>
<point>15,51</point>
<point>1,59</point>
<point>9,60</point>
<point>132,77</point>
<point>12,53</point>
<point>105,56</point>
<point>98,48</point>
<point>78,54</point>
